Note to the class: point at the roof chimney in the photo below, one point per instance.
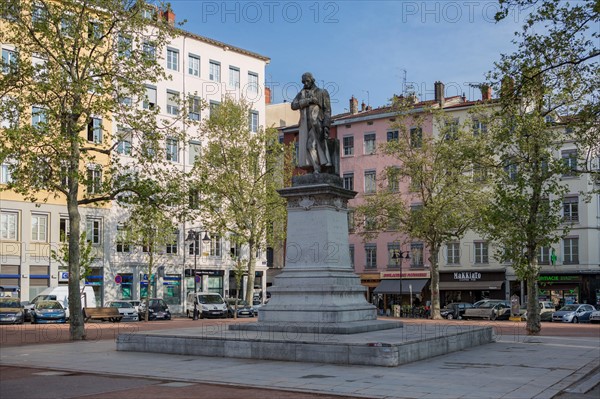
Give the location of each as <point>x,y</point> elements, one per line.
<point>353,105</point>
<point>267,95</point>
<point>439,93</point>
<point>169,16</point>
<point>363,106</point>
<point>486,92</point>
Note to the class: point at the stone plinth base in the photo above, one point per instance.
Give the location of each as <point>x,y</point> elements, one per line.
<point>354,327</point>
<point>376,348</point>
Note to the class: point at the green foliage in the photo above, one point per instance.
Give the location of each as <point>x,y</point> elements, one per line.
<point>549,84</point>
<point>61,255</point>
<point>80,71</point>
<point>238,175</point>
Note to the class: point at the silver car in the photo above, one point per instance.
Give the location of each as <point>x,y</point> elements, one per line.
<point>126,310</point>
<point>491,309</point>
<point>573,313</point>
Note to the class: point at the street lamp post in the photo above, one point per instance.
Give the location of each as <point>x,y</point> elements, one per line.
<point>398,256</point>
<point>194,237</point>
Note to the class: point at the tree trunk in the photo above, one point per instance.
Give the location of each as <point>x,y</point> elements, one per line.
<point>76,322</point>
<point>149,279</point>
<point>251,273</point>
<point>435,283</point>
<point>533,312</point>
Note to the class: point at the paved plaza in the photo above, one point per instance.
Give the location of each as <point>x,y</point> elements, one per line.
<point>515,366</point>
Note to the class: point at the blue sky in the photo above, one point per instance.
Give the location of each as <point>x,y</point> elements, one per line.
<point>361,48</point>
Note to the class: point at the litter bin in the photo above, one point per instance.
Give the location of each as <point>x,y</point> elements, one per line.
<point>396,310</point>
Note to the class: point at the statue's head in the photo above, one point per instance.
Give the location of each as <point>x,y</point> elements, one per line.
<point>308,80</point>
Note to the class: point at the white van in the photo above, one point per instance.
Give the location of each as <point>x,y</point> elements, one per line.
<point>209,304</point>
<point>61,294</point>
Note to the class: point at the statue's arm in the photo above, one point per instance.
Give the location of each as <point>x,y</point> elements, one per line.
<point>299,102</point>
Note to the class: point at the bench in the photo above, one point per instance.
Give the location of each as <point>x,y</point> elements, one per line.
<point>111,314</point>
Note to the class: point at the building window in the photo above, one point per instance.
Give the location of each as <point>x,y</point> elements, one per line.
<point>451,128</point>
<point>394,258</point>
<point>351,251</point>
<point>94,231</point>
<point>370,256</point>
<point>481,252</point>
<point>214,71</point>
<point>194,199</point>
<point>64,229</point>
<point>194,152</point>
<point>9,60</point>
<point>571,251</point>
<point>543,255</point>
<point>94,130</point>
<point>5,175</point>
<point>122,245</point>
<point>171,247</point>
<point>8,225</point>
<point>479,127</point>
<point>194,65</point>
<point>9,114</point>
<point>94,179</point>
<point>370,182</point>
<point>172,102</point>
<point>351,225</point>
<point>453,253</point>
<point>392,135</point>
<point>173,59</point>
<point>511,169</point>
<point>194,109</point>
<point>369,144</point>
<point>94,30</point>
<point>348,145</point>
<point>39,228</point>
<point>149,50</point>
<point>370,223</point>
<point>234,77</point>
<point>252,83</point>
<point>349,181</point>
<point>150,100</point>
<point>571,209</point>
<point>416,137</point>
<point>38,116</point>
<point>124,46</point>
<point>124,143</point>
<point>215,245</point>
<point>172,150</point>
<point>416,254</point>
<point>569,158</point>
<point>214,105</point>
<point>393,177</point>
<point>253,121</point>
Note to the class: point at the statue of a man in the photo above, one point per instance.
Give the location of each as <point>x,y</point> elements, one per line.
<point>315,119</point>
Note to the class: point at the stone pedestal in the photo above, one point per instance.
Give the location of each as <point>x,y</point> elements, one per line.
<point>318,291</point>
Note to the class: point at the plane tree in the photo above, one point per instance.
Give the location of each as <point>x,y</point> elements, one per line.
<point>75,107</point>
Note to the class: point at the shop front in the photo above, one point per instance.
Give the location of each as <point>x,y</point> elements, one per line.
<point>371,281</point>
<point>471,286</point>
<point>407,288</point>
<point>565,289</point>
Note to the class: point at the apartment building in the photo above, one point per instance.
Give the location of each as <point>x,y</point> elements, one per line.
<point>200,67</point>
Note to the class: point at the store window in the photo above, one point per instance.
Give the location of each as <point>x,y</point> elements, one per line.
<point>172,289</point>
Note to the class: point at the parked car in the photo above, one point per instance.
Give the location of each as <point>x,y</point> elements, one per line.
<point>491,309</point>
<point>574,313</point>
<point>11,311</point>
<point>595,316</point>
<point>243,308</point>
<point>455,310</point>
<point>158,309</point>
<point>61,294</point>
<point>48,312</point>
<point>208,304</point>
<point>126,310</point>
<point>546,309</point>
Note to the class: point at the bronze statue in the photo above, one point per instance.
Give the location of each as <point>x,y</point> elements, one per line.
<point>315,119</point>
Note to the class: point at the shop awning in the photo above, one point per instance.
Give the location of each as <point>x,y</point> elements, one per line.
<point>392,286</point>
<point>470,285</point>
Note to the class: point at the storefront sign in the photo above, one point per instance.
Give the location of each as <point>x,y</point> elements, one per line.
<point>558,279</point>
<point>420,274</point>
<point>467,276</point>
